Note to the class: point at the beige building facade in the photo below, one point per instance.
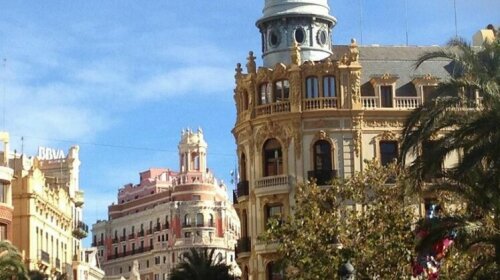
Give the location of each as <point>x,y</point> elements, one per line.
<point>154,223</point>
<point>47,220</point>
<point>317,113</point>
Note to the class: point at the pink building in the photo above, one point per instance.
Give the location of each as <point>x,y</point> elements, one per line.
<point>156,221</point>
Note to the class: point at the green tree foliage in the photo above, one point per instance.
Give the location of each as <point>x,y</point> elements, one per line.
<point>11,263</point>
<point>367,218</point>
<point>201,264</point>
<point>457,123</point>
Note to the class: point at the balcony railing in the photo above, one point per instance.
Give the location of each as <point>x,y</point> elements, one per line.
<point>277,107</point>
<point>242,188</point>
<point>243,245</point>
<point>131,236</point>
<point>186,225</point>
<point>319,103</point>
<point>115,240</point>
<point>407,102</point>
<point>44,256</point>
<point>399,102</point>
<point>123,238</point>
<point>323,177</point>
<point>100,242</point>
<point>272,181</point>
<point>165,226</point>
<point>80,230</point>
<point>157,227</point>
<point>149,231</point>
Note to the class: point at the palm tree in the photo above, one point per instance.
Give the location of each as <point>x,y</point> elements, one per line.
<point>11,263</point>
<point>200,264</point>
<point>464,119</point>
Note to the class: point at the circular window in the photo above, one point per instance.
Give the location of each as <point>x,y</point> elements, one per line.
<point>274,38</point>
<point>300,35</point>
<point>322,37</point>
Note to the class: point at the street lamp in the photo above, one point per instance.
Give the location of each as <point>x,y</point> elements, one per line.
<point>347,271</point>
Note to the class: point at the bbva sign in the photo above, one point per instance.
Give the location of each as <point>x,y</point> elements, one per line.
<point>45,153</point>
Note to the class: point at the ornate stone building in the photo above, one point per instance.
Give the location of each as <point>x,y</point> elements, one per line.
<point>158,220</point>
<point>47,219</point>
<point>315,110</point>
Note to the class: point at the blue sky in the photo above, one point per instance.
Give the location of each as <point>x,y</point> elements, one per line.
<point>122,78</point>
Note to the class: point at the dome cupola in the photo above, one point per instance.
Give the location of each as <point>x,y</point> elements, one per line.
<point>306,22</point>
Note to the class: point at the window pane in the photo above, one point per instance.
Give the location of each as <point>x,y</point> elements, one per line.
<point>388,152</point>
<point>273,159</point>
<point>329,86</point>
<point>386,96</point>
<point>312,87</point>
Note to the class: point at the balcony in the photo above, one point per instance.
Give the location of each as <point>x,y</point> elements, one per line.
<point>131,236</point>
<point>398,102</point>
<point>157,227</point>
<point>123,238</point>
<point>323,177</point>
<point>44,257</point>
<point>149,231</point>
<point>319,103</point>
<point>268,109</point>
<point>100,243</point>
<point>186,225</point>
<point>79,200</point>
<point>115,240</point>
<point>242,189</point>
<point>141,233</point>
<point>165,226</point>
<point>243,247</point>
<point>80,230</point>
<point>273,185</point>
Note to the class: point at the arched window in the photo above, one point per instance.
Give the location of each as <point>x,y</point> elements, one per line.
<point>199,220</point>
<point>211,220</point>
<point>265,96</point>
<point>273,158</point>
<point>274,272</point>
<point>187,221</point>
<point>243,168</point>
<point>329,86</point>
<point>281,90</point>
<point>195,161</point>
<point>312,87</point>
<point>244,100</point>
<point>322,155</point>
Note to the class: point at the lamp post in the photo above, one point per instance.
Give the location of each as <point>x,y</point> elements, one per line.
<point>347,271</point>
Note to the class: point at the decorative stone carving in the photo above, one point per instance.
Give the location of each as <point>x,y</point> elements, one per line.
<point>387,135</point>
<point>356,135</point>
<point>356,87</point>
<point>295,55</point>
<point>134,274</point>
<point>279,71</point>
<point>353,52</point>
<point>377,123</point>
<point>251,67</point>
<point>322,135</point>
<point>295,88</point>
<point>238,70</point>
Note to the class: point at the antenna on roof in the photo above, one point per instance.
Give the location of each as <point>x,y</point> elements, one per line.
<point>406,21</point>
<point>361,21</point>
<point>455,9</point>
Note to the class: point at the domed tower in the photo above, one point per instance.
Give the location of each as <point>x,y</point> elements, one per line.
<point>192,151</point>
<point>306,22</point>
